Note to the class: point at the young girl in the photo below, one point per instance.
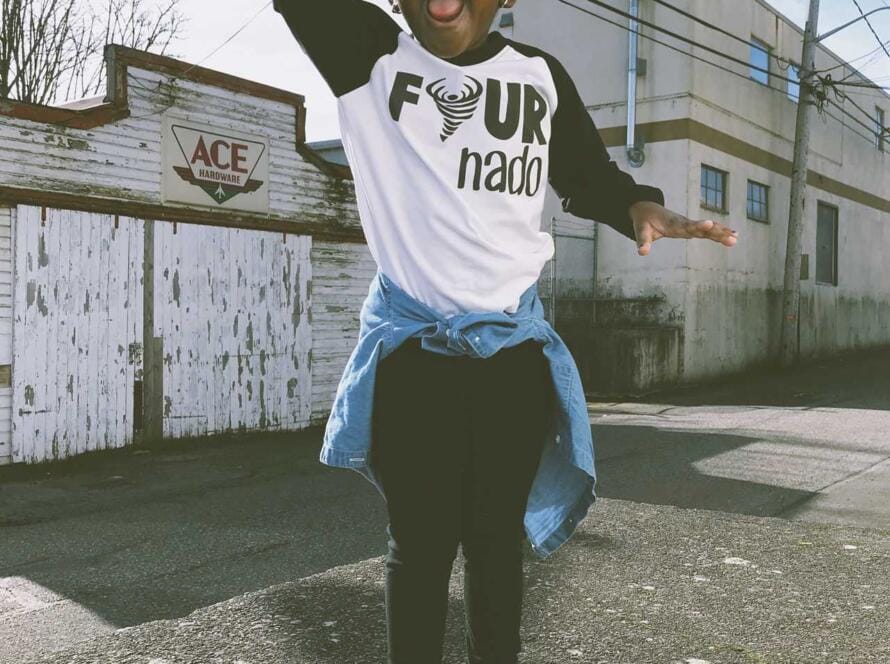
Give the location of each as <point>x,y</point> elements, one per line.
<point>459,402</point>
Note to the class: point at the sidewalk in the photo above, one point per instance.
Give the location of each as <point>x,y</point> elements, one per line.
<point>636,584</point>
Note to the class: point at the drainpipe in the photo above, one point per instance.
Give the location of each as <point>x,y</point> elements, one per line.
<point>635,154</point>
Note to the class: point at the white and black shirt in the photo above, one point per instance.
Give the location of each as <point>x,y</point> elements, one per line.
<point>451,157</point>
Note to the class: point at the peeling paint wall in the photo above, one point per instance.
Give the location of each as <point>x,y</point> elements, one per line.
<point>232,307</point>
<point>77,313</point>
<point>342,274</point>
<point>221,339</point>
<point>6,279</point>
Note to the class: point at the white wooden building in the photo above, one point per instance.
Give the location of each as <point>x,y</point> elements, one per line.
<point>174,261</point>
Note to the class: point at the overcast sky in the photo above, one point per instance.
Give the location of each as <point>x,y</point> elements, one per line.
<point>265,51</point>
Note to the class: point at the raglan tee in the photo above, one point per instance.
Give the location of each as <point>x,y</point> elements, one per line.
<point>451,157</point>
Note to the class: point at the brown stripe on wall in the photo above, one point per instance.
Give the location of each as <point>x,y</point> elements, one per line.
<point>688,129</point>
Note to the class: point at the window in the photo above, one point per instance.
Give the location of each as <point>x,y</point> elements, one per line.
<point>759,60</point>
<point>793,83</point>
<point>826,244</point>
<point>880,128</point>
<point>713,188</point>
<point>758,201</point>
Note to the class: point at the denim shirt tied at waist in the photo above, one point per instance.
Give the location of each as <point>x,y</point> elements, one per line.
<point>564,486</point>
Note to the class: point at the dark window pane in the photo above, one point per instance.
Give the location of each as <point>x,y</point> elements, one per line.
<point>826,245</point>
<point>713,188</point>
<point>758,201</point>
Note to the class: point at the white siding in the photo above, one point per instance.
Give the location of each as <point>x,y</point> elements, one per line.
<point>6,224</point>
<point>244,346</point>
<point>342,274</point>
<point>232,307</point>
<point>122,160</point>
<point>77,311</point>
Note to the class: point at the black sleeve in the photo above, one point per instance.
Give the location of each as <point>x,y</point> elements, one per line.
<point>343,38</point>
<point>586,179</point>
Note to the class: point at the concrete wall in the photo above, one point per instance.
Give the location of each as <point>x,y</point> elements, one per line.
<point>725,304</point>
<point>740,291</point>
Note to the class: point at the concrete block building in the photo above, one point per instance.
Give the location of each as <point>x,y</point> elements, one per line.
<point>720,145</point>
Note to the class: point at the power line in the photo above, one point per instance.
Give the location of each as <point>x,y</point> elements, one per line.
<point>881,45</point>
<point>871,27</point>
<point>230,38</point>
<point>849,62</point>
<point>851,116</point>
<point>717,28</point>
<point>654,26</point>
<point>857,84</point>
<point>208,56</point>
<point>873,53</point>
<point>172,79</point>
<point>858,107</point>
<point>670,46</point>
<point>778,59</point>
<point>876,127</point>
<point>869,139</point>
<point>825,81</point>
<point>675,35</point>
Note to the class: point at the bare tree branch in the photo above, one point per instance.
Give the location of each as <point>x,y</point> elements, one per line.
<point>52,50</point>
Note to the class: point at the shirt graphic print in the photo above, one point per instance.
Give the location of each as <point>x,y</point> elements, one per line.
<point>452,157</point>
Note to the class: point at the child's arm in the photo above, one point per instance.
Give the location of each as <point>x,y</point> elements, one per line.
<point>343,38</point>
<point>587,181</point>
<point>592,186</point>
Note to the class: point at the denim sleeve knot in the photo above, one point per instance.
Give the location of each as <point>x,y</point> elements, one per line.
<point>474,334</point>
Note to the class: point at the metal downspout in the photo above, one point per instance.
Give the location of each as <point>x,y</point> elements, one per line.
<point>635,154</point>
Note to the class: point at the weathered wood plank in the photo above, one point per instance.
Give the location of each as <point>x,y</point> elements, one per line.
<point>6,312</point>
<point>342,275</point>
<point>79,321</point>
<point>71,341</point>
<point>228,351</point>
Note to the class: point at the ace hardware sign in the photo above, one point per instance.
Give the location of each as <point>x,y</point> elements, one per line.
<point>214,167</point>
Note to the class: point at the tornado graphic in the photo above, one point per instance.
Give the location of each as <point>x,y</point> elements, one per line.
<point>455,109</point>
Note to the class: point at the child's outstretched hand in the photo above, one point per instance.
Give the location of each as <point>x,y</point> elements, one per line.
<point>653,222</point>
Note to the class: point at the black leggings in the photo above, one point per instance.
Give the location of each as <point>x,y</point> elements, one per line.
<point>456,444</point>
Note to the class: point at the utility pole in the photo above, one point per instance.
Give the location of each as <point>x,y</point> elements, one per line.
<point>791,294</point>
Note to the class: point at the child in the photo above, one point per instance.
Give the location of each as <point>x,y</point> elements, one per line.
<point>459,402</point>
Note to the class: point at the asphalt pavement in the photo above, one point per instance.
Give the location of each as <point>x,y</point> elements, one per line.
<point>636,584</point>
<point>150,539</point>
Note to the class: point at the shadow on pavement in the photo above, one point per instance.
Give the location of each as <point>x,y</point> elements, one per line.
<point>650,465</point>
